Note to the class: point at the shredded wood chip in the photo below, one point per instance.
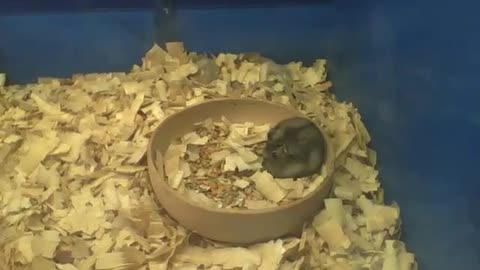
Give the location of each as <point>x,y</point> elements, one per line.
<point>3,78</point>
<point>271,254</point>
<point>74,193</point>
<point>328,227</point>
<point>36,149</point>
<point>227,257</point>
<point>266,185</point>
<point>378,217</point>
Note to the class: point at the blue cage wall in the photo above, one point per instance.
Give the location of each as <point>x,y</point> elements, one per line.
<point>409,66</point>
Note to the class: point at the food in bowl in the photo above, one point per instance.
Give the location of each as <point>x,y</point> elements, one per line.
<point>220,164</point>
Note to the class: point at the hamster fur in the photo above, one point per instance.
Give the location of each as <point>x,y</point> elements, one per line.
<point>295,148</point>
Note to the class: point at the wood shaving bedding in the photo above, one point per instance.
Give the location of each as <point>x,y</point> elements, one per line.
<point>74,190</point>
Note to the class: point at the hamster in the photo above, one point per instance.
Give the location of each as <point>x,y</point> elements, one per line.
<point>295,148</point>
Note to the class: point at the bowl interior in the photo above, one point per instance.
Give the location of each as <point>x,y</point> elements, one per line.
<point>235,110</point>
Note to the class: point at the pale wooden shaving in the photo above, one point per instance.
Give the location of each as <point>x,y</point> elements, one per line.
<point>378,217</point>
<point>331,231</point>
<point>36,149</point>
<point>271,254</point>
<point>75,142</point>
<point>241,183</point>
<point>335,209</point>
<point>294,188</point>
<point>317,181</point>
<point>114,260</point>
<point>200,198</point>
<point>247,155</point>
<point>67,266</point>
<point>172,159</point>
<point>236,161</point>
<point>176,180</point>
<point>296,265</point>
<point>40,263</point>
<point>74,193</point>
<point>3,78</point>
<point>268,187</point>
<point>396,258</point>
<point>220,155</point>
<point>372,157</point>
<point>194,139</point>
<point>227,257</point>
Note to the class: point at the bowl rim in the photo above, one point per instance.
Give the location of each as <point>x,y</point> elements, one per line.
<point>326,183</point>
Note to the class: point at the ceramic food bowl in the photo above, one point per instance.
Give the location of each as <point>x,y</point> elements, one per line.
<point>231,225</point>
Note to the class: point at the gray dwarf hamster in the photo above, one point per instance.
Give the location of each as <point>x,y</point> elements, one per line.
<point>295,148</point>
